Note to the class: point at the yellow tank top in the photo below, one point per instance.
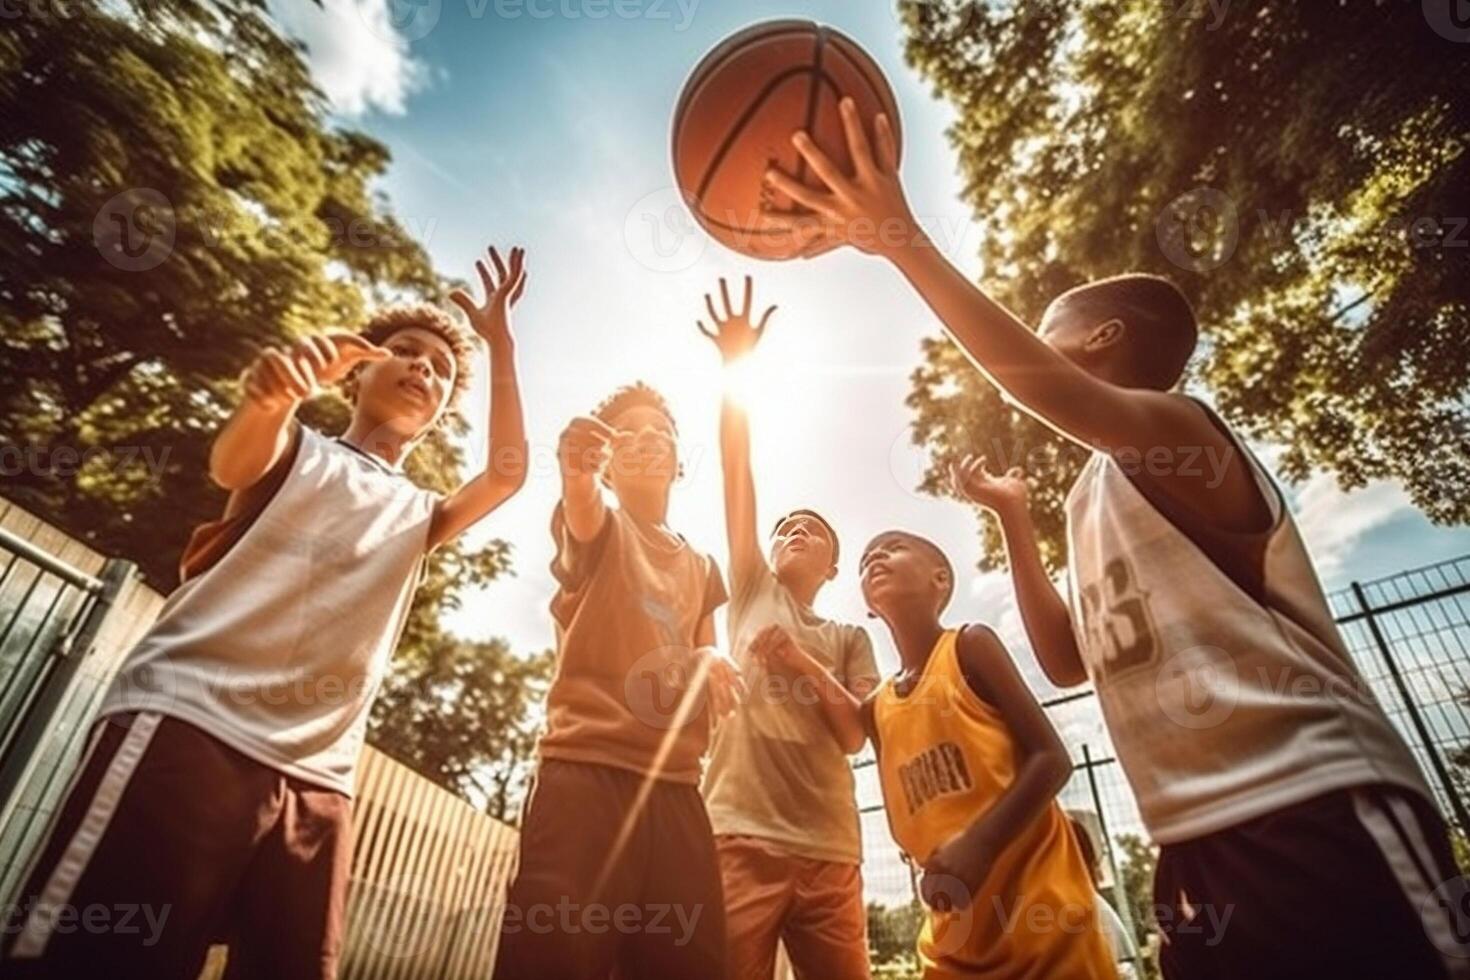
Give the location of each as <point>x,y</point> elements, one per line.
<point>944,758</point>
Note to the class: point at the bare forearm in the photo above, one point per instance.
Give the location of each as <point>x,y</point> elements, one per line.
<point>582,506</point>
<point>841,709</point>
<point>1047,620</point>
<point>250,444</point>
<point>507,425</point>
<point>1005,349</point>
<point>1039,780</point>
<point>740,512</point>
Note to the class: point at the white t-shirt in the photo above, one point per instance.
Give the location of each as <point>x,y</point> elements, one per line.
<point>1223,704</point>
<point>278,649</point>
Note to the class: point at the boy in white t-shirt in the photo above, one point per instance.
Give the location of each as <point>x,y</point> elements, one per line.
<point>216,800</point>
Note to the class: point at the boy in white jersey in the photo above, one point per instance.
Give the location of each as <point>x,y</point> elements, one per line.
<point>779,785</point>
<point>1283,797</point>
<point>217,798</point>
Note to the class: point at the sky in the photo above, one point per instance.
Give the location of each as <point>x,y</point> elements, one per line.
<point>545,123</point>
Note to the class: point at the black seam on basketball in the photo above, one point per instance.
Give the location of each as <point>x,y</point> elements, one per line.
<point>730,137</point>
<point>819,44</point>
<point>722,52</point>
<point>711,222</point>
<point>877,83</point>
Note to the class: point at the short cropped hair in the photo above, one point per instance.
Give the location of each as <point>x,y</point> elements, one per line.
<point>632,396</point>
<point>807,512</point>
<point>1162,331</point>
<point>924,544</point>
<point>430,319</point>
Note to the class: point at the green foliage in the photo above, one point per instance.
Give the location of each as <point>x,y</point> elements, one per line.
<point>460,714</point>
<point>190,133</point>
<point>1327,255</point>
<point>1136,871</point>
<point>124,125</point>
<point>893,933</point>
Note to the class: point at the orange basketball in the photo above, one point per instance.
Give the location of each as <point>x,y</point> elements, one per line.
<point>738,110</point>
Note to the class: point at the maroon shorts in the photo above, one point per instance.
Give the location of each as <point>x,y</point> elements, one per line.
<point>617,877</point>
<point>170,841</point>
<point>1357,883</point>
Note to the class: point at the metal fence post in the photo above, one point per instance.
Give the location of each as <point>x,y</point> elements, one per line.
<point>1125,901</point>
<point>70,650</point>
<point>1436,762</point>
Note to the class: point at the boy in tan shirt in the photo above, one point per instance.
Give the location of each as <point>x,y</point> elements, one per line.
<point>779,786</point>
<point>617,861</point>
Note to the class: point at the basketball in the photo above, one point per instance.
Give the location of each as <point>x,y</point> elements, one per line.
<point>736,114</point>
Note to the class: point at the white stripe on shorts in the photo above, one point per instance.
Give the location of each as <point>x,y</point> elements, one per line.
<point>1395,828</point>
<point>68,871</point>
<point>16,898</point>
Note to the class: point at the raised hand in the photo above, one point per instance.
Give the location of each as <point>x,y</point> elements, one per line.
<point>972,481</point>
<point>734,334</point>
<point>585,447</point>
<point>866,209</point>
<point>491,319</point>
<point>282,379</point>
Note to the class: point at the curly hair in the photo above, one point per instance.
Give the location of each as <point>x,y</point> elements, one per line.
<point>422,316</point>
<point>632,396</point>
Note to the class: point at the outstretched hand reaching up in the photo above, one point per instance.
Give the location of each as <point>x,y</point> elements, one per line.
<point>734,334</point>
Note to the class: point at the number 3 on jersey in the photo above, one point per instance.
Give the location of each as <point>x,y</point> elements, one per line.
<point>1116,616</point>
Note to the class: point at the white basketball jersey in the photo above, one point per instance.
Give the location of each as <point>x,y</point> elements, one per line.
<point>279,648</point>
<point>1223,705</point>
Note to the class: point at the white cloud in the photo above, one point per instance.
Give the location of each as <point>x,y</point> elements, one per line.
<point>1333,522</point>
<point>356,55</point>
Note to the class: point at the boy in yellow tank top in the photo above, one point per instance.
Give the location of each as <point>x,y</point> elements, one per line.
<point>970,768</point>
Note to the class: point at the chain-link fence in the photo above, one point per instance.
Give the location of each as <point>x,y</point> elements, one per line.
<point>1409,634</point>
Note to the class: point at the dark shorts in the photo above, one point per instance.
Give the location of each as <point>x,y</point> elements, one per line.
<point>617,873</point>
<point>169,841</point>
<point>1356,883</point>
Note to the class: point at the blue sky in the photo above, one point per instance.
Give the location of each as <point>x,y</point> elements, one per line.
<point>545,123</point>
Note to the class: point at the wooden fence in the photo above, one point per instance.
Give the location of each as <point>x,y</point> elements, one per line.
<point>429,871</point>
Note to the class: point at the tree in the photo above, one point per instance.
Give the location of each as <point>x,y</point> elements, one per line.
<point>893,932</point>
<point>1299,169</point>
<point>172,199</point>
<point>1136,872</point>
<point>459,713</point>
